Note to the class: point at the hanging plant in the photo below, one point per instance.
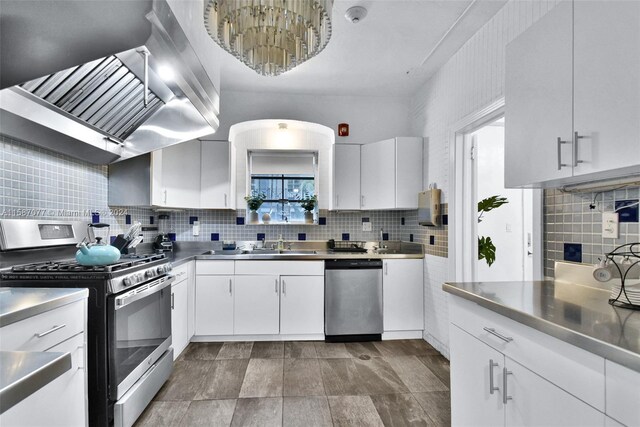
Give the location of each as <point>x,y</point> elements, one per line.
<point>310,203</point>
<point>486,248</point>
<point>255,200</point>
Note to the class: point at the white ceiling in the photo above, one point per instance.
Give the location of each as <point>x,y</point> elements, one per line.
<point>390,52</point>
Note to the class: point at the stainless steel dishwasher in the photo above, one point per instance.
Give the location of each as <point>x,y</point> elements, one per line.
<point>353,300</point>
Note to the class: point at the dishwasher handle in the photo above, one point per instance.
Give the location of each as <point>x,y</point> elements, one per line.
<point>353,264</point>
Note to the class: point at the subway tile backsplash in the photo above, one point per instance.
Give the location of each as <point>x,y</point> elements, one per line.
<point>573,230</point>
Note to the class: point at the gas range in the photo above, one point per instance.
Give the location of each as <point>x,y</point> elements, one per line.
<point>129,271</point>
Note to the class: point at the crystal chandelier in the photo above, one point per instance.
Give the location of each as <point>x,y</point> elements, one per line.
<point>270,36</point>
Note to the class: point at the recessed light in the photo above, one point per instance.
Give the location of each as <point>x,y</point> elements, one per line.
<point>166,73</point>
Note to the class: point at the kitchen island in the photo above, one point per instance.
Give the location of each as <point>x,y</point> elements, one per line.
<point>542,353</point>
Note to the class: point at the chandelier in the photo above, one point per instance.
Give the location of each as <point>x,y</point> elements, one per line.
<point>270,36</point>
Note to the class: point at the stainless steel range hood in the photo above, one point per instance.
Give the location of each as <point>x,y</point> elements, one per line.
<point>106,108</point>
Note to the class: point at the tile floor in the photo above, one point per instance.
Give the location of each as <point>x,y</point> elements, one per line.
<point>387,383</point>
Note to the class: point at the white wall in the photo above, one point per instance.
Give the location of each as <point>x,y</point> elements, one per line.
<point>370,118</point>
<point>472,79</point>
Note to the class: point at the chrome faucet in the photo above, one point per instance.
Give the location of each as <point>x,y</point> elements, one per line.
<point>380,244</point>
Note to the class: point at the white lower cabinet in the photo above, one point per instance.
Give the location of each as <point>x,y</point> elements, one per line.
<point>623,394</point>
<point>214,305</point>
<point>402,295</point>
<point>490,389</point>
<point>256,305</point>
<point>179,317</point>
<point>302,305</point>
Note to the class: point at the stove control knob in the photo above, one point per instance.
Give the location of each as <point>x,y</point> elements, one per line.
<point>140,277</point>
<point>160,270</point>
<point>168,267</point>
<point>149,273</point>
<point>127,281</point>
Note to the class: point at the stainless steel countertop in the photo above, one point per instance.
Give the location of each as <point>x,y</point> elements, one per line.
<point>23,373</point>
<point>20,303</point>
<point>576,314</point>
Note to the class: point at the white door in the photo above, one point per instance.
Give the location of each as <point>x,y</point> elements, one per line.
<point>538,100</point>
<point>378,175</point>
<point>607,85</point>
<point>476,388</point>
<point>535,401</point>
<point>346,181</point>
<point>179,317</point>
<point>302,304</point>
<point>402,295</point>
<point>214,305</point>
<point>215,178</point>
<point>181,175</point>
<point>256,305</point>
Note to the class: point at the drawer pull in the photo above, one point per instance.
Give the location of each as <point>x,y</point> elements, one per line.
<point>502,337</point>
<point>505,395</point>
<point>50,331</point>
<point>492,365</point>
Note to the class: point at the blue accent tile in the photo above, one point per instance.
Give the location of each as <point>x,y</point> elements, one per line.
<point>95,217</point>
<point>365,219</point>
<point>385,236</point>
<point>302,236</point>
<point>240,220</point>
<point>127,219</point>
<point>192,219</point>
<point>322,220</point>
<point>261,236</point>
<point>172,237</point>
<point>629,214</point>
<point>215,237</point>
<point>402,221</point>
<point>445,219</point>
<point>432,240</point>
<point>411,237</point>
<point>151,220</point>
<point>345,236</point>
<point>573,252</point>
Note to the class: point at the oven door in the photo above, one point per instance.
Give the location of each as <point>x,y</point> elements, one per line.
<point>139,332</point>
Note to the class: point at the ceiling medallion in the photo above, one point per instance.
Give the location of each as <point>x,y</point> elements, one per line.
<point>270,36</point>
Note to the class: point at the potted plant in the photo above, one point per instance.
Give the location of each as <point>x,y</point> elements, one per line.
<point>254,201</point>
<point>309,205</point>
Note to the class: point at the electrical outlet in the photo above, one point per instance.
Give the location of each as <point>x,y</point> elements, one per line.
<point>366,226</point>
<point>610,227</point>
<point>196,228</point>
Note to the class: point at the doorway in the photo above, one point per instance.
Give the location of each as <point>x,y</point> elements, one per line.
<point>514,228</point>
<point>504,229</point>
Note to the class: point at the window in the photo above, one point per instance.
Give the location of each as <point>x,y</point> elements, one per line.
<point>286,179</point>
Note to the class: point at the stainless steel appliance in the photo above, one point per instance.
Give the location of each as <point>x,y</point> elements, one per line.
<point>129,328</point>
<point>353,300</point>
<point>101,89</point>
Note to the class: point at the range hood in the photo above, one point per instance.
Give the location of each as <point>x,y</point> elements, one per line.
<point>112,107</point>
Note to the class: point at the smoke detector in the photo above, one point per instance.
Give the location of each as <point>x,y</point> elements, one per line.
<point>355,14</point>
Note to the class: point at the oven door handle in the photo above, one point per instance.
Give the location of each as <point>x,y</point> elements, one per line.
<point>135,294</point>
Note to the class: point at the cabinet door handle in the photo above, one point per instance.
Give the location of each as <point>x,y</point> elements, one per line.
<point>386,269</point>
<point>362,201</point>
<point>225,200</point>
<point>276,286</point>
<point>576,137</point>
<point>560,164</point>
<point>337,200</point>
<point>492,365</point>
<point>50,331</point>
<point>165,197</point>
<point>502,337</point>
<point>284,287</point>
<point>229,286</point>
<point>173,301</point>
<point>505,395</point>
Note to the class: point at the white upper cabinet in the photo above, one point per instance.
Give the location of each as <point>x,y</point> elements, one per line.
<point>606,76</point>
<point>175,174</point>
<point>215,175</point>
<point>391,174</point>
<point>538,101</point>
<point>573,95</point>
<point>346,181</point>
